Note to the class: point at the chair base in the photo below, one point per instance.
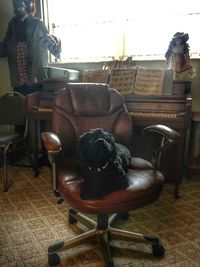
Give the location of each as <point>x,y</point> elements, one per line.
<point>101,232</point>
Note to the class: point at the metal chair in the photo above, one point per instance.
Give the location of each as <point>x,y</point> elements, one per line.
<point>12,113</point>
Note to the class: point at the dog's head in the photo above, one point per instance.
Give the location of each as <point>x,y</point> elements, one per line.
<point>97,149</point>
<point>103,164</point>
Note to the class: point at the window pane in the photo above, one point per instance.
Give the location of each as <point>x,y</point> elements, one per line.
<point>93,30</point>
<point>151,36</point>
<point>89,41</point>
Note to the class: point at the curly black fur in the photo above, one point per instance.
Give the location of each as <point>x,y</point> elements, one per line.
<point>104,164</point>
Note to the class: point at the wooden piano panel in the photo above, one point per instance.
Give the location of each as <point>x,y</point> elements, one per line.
<point>156,106</point>
<point>173,111</point>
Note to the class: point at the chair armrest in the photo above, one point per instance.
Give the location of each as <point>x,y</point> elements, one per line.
<point>52,144</point>
<point>163,130</point>
<point>168,137</point>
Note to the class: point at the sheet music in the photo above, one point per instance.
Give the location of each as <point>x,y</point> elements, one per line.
<point>96,76</point>
<point>123,80</point>
<point>149,82</point>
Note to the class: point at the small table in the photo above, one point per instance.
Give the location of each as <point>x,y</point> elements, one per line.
<point>39,109</point>
<point>36,115</point>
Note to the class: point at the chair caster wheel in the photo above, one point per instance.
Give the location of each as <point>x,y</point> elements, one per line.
<point>36,173</point>
<point>71,219</point>
<point>158,250</point>
<point>53,259</point>
<point>110,264</point>
<point>60,201</point>
<point>57,193</point>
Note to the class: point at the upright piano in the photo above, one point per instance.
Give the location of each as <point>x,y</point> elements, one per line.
<point>173,111</point>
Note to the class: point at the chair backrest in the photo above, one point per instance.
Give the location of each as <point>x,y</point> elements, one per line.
<point>84,106</point>
<point>12,109</point>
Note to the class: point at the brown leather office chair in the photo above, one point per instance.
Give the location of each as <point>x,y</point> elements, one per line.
<point>78,108</point>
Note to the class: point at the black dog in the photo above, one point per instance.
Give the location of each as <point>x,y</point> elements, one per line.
<point>104,164</point>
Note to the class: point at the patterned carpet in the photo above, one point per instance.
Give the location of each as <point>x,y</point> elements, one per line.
<point>31,220</point>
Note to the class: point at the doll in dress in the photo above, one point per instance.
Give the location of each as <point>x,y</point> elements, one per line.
<point>178,57</point>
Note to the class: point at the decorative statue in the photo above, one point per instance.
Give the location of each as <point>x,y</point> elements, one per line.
<point>26,46</point>
<point>178,57</point>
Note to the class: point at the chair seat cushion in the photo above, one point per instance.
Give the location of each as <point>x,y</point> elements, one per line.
<point>7,138</point>
<point>140,164</point>
<point>69,166</point>
<point>144,188</point>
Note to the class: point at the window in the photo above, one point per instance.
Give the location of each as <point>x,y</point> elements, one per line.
<point>93,30</point>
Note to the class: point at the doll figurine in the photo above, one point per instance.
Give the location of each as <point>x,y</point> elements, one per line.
<point>178,57</point>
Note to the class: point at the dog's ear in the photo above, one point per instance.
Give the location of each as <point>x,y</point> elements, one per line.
<point>82,146</point>
<point>84,141</point>
<point>110,137</point>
